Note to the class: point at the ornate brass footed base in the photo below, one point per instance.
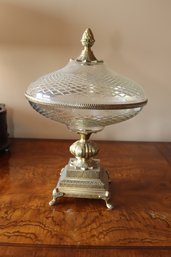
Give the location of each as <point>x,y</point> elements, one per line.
<point>83,177</point>
<point>91,183</point>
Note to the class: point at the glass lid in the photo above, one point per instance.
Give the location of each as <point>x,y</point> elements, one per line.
<point>86,83</point>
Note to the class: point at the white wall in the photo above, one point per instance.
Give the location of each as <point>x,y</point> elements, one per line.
<point>132,36</point>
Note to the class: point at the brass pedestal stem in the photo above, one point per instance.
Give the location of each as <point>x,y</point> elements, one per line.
<point>83,150</point>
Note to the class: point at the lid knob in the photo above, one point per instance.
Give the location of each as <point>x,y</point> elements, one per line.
<point>87,56</point>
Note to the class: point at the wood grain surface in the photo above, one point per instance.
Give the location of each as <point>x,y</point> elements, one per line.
<point>13,251</point>
<point>140,223</point>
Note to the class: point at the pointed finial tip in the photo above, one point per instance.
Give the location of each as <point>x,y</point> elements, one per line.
<point>87,38</point>
<point>88,30</point>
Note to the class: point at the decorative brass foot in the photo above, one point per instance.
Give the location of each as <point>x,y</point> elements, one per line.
<point>56,194</point>
<point>109,205</point>
<point>107,197</point>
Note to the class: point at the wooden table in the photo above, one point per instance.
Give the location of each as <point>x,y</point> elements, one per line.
<point>140,224</point>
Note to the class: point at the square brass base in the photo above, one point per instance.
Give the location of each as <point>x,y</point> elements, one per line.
<point>74,182</point>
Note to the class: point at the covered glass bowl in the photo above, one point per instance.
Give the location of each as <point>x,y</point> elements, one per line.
<point>86,96</point>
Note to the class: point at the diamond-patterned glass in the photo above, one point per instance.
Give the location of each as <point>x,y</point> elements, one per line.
<point>86,97</point>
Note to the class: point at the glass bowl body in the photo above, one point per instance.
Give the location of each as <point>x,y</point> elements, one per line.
<point>86,97</point>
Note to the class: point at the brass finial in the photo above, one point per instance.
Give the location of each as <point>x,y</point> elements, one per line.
<point>87,56</point>
<point>87,38</point>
